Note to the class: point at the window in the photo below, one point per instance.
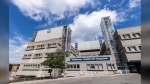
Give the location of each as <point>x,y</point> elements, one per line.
<point>88,66</point>
<point>113,66</point>
<point>40,46</point>
<point>132,48</point>
<point>71,66</point>
<point>140,47</point>
<point>48,30</point>
<point>74,65</point>
<point>106,18</point>
<point>96,66</point>
<point>100,66</point>
<point>136,35</point>
<point>109,66</point>
<point>92,66</point>
<point>78,66</point>
<point>111,41</point>
<point>49,45</point>
<point>76,45</point>
<point>106,23</point>
<point>126,36</point>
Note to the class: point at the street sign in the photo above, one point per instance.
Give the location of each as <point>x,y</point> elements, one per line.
<point>89,59</point>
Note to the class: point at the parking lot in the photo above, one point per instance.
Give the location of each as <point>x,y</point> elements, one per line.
<point>112,79</point>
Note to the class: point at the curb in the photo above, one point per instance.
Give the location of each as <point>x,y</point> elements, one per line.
<point>45,80</point>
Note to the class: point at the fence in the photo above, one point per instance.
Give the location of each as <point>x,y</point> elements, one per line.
<point>94,73</point>
<point>69,74</point>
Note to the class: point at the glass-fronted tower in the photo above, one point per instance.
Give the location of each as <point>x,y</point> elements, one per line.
<point>108,33</point>
<point>66,40</point>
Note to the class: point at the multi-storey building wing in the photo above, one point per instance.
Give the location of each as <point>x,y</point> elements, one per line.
<point>90,60</point>
<point>44,42</point>
<point>88,48</point>
<point>129,47</point>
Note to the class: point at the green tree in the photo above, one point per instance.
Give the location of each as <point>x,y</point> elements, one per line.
<point>55,60</point>
<point>10,66</point>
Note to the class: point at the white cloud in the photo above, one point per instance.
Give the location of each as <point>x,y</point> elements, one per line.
<point>86,26</point>
<point>17,47</point>
<point>134,3</point>
<point>108,1</point>
<point>133,16</point>
<point>51,10</point>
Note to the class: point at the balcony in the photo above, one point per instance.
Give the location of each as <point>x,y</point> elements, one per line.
<point>40,48</point>
<point>28,49</point>
<point>30,68</point>
<point>52,46</point>
<point>37,57</point>
<point>26,57</point>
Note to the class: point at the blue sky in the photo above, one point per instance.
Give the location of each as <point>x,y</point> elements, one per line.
<point>83,16</point>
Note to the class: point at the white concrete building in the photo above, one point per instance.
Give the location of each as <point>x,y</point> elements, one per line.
<point>43,42</point>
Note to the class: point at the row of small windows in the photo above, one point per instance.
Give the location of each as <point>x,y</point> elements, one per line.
<point>126,36</point>
<point>94,66</point>
<point>36,55</point>
<point>110,66</point>
<point>52,44</point>
<point>30,47</point>
<point>31,66</point>
<point>27,55</point>
<point>73,66</point>
<point>100,66</point>
<point>40,46</point>
<point>133,48</point>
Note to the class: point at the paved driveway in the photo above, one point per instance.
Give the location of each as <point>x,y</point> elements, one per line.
<point>114,79</point>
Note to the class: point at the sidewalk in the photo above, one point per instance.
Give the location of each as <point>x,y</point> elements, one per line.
<point>46,80</point>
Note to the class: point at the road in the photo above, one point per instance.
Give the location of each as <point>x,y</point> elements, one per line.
<point>115,79</point>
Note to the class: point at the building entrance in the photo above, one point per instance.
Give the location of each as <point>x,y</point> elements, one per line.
<point>134,67</point>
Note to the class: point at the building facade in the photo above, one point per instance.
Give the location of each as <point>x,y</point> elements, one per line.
<point>129,47</point>
<point>90,60</point>
<point>92,63</point>
<point>120,49</point>
<point>44,42</point>
<point>88,48</point>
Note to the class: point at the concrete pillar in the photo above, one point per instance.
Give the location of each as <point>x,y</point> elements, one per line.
<point>79,54</point>
<point>126,66</point>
